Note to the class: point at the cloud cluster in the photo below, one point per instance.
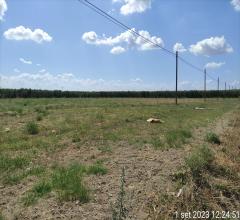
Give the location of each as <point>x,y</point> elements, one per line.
<point>25,61</point>
<point>214,65</point>
<point>134,6</point>
<point>68,81</point>
<point>179,47</point>
<point>211,46</point>
<point>3,8</point>
<point>21,33</point>
<point>236,4</point>
<point>126,38</point>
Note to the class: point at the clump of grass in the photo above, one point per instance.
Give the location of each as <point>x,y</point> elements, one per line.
<point>16,178</point>
<point>200,160</point>
<point>11,164</point>
<point>39,117</point>
<point>97,169</point>
<point>105,149</point>
<point>69,183</point>
<point>157,143</point>
<point>212,138</point>
<point>176,138</point>
<point>76,138</point>
<point>38,191</point>
<point>32,128</point>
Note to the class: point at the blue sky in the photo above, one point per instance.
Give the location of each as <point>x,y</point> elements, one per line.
<point>61,44</point>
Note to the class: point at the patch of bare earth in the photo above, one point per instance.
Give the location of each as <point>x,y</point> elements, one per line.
<point>147,174</point>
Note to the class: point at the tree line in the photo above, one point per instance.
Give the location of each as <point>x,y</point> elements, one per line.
<point>33,93</point>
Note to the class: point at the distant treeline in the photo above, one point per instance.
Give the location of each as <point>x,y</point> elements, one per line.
<point>30,93</point>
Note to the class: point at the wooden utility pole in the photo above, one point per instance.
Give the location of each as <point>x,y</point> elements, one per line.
<point>176,95</point>
<point>205,84</point>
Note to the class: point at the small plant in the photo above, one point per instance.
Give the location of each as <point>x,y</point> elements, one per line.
<point>97,169</point>
<point>39,117</point>
<point>37,192</point>
<point>200,160</point>
<point>119,212</point>
<point>32,128</point>
<point>105,149</point>
<point>213,138</point>
<point>69,183</point>
<point>11,164</point>
<point>157,143</point>
<point>176,138</point>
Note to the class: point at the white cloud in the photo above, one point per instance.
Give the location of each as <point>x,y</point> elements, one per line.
<point>21,33</point>
<point>117,50</point>
<point>179,47</point>
<point>127,38</point>
<point>42,71</point>
<point>38,64</point>
<point>3,9</point>
<point>134,6</point>
<point>211,46</point>
<point>68,81</point>
<point>236,4</point>
<point>25,61</point>
<point>214,65</point>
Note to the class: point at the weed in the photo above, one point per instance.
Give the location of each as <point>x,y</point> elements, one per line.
<point>11,164</point>
<point>39,117</point>
<point>69,183</point>
<point>16,178</point>
<point>213,138</point>
<point>32,128</point>
<point>200,160</point>
<point>119,212</point>
<point>105,149</point>
<point>157,143</point>
<point>176,138</point>
<point>37,192</point>
<point>97,169</point>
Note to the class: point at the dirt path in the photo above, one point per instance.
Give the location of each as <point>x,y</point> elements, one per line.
<point>147,173</point>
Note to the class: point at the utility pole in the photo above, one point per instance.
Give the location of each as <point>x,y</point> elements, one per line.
<point>205,84</point>
<point>176,95</point>
<point>225,86</point>
<point>218,85</point>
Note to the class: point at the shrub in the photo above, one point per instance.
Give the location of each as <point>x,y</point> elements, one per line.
<point>32,128</point>
<point>213,138</point>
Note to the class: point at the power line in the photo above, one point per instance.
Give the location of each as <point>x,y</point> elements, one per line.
<point>136,33</point>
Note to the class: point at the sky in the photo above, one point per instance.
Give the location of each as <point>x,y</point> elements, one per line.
<point>62,44</point>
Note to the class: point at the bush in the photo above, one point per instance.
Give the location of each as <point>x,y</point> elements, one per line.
<point>212,138</point>
<point>32,128</point>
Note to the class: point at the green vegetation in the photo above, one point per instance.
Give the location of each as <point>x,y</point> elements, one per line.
<point>38,191</point>
<point>200,160</point>
<point>97,169</point>
<point>213,138</point>
<point>32,128</point>
<point>92,129</point>
<point>69,183</point>
<point>10,164</point>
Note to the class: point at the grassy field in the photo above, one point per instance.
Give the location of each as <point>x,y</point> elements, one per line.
<point>56,150</point>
